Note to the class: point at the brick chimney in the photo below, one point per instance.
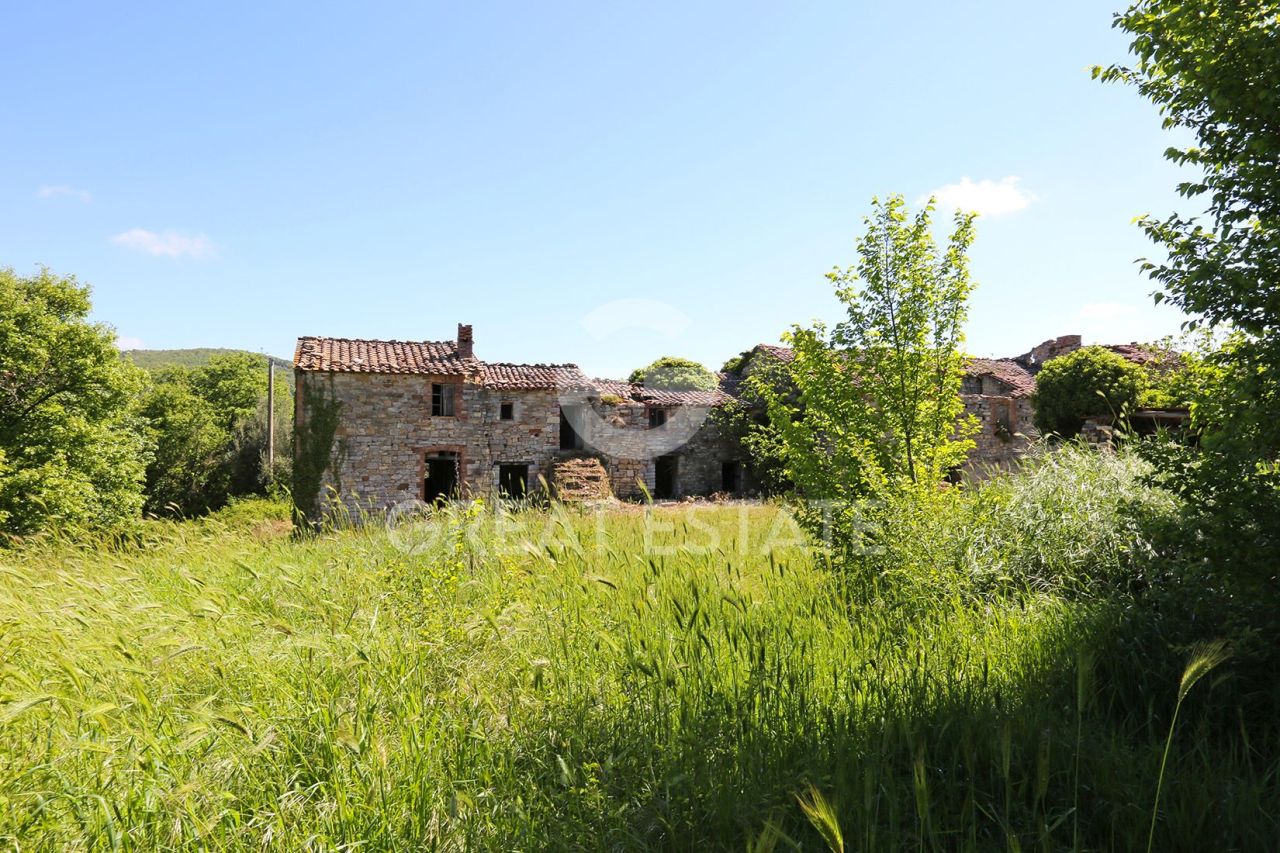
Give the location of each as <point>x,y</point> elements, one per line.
<point>465,342</point>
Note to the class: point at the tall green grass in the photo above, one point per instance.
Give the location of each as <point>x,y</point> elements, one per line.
<point>666,678</point>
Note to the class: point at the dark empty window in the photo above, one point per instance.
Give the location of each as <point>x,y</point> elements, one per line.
<point>657,417</point>
<point>442,401</point>
<point>971,385</point>
<point>507,412</point>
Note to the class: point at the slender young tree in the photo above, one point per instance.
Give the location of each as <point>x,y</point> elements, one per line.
<point>873,405</point>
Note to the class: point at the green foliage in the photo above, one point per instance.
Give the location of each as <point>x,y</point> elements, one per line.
<point>1168,381</point>
<point>873,405</point>
<point>735,364</point>
<point>1228,480</point>
<point>317,450</point>
<point>1090,382</point>
<point>71,451</point>
<point>1069,522</point>
<point>253,510</point>
<point>671,373</point>
<point>208,425</point>
<point>681,678</point>
<point>187,474</point>
<point>1213,69</point>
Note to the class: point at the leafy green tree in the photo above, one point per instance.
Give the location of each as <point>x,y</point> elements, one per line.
<point>72,452</point>
<point>208,425</point>
<point>187,475</point>
<point>233,384</point>
<point>1088,383</point>
<point>873,405</point>
<point>1213,68</point>
<point>671,373</point>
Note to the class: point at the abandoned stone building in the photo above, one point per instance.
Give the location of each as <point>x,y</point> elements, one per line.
<point>418,420</point>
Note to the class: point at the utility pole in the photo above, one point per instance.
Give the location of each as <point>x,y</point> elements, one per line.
<point>271,420</point>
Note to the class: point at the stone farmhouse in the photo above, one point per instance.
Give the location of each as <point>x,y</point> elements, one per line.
<point>422,420</point>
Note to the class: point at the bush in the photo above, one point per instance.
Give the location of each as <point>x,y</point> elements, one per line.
<point>1090,382</point>
<point>1071,520</point>
<point>675,374</point>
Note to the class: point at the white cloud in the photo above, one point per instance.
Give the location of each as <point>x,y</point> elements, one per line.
<point>169,244</point>
<point>125,342</point>
<point>1106,311</point>
<point>987,197</point>
<point>63,191</point>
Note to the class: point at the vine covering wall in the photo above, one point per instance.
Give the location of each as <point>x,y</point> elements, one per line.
<point>315,448</point>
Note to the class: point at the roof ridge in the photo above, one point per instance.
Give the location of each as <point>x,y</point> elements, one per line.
<point>528,364</point>
<point>373,340</point>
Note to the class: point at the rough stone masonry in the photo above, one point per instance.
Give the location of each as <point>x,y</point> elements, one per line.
<point>421,420</point>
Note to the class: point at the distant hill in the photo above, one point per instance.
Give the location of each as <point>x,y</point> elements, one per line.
<point>153,359</point>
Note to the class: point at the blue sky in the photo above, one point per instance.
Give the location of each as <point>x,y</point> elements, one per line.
<point>593,182</point>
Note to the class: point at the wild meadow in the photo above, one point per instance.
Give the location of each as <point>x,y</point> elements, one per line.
<point>679,677</point>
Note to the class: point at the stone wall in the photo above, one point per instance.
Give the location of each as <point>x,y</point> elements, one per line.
<point>1006,429</point>
<point>386,433</point>
<point>701,465</point>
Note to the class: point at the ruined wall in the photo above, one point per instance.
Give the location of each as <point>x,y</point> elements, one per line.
<point>386,430</point>
<point>1006,429</point>
<point>702,460</point>
<point>629,447</point>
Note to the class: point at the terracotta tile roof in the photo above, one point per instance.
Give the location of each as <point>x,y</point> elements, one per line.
<point>504,376</point>
<point>1137,353</point>
<point>651,396</point>
<point>1008,371</point>
<point>602,387</point>
<point>663,397</point>
<point>345,355</point>
<point>779,352</point>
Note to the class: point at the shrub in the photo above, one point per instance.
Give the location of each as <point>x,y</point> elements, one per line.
<point>1090,382</point>
<point>1069,520</point>
<point>675,374</point>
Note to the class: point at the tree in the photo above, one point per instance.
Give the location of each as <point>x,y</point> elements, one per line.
<point>187,475</point>
<point>72,452</point>
<point>208,425</point>
<point>873,405</point>
<point>672,373</point>
<point>1213,68</point>
<point>1088,383</point>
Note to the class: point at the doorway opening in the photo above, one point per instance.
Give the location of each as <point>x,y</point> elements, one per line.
<point>666,470</point>
<point>729,477</point>
<point>442,476</point>
<point>569,438</point>
<point>513,480</point>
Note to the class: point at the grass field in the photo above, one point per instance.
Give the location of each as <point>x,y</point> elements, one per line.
<point>678,678</point>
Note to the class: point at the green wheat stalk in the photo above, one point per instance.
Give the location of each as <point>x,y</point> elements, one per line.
<point>1204,657</point>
